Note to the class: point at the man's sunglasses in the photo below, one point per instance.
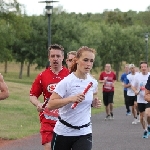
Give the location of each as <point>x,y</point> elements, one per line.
<point>70,60</point>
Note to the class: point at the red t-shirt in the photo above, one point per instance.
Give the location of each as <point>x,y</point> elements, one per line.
<point>110,78</point>
<point>45,83</point>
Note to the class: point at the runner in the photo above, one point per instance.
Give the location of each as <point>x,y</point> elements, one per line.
<point>69,60</point>
<point>137,70</point>
<point>73,130</point>
<point>4,93</point>
<point>44,84</point>
<point>139,90</point>
<point>131,97</point>
<point>147,98</point>
<point>123,79</point>
<point>108,78</point>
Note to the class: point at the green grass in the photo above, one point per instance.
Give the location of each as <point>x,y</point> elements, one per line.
<point>19,118</point>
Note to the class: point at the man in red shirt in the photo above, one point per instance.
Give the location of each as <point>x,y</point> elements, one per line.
<point>108,77</point>
<point>44,84</point>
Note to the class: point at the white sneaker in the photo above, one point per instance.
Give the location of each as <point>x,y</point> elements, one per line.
<point>135,121</point>
<point>138,118</point>
<point>107,117</point>
<point>111,116</point>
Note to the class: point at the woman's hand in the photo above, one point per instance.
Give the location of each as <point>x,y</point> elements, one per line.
<point>77,98</point>
<point>96,103</point>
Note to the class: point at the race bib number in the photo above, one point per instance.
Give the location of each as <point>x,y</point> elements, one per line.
<point>108,85</point>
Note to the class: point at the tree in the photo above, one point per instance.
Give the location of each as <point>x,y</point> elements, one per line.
<point>37,42</point>
<point>22,34</point>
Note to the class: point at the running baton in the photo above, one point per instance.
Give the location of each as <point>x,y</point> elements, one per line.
<point>44,104</point>
<point>139,92</point>
<point>84,92</point>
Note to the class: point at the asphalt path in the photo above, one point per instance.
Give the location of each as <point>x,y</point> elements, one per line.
<point>117,134</point>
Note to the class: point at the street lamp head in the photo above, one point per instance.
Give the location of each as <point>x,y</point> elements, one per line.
<point>48,7</point>
<point>146,37</point>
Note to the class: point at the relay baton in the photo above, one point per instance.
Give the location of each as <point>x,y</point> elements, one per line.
<point>138,92</point>
<point>84,92</point>
<point>44,104</point>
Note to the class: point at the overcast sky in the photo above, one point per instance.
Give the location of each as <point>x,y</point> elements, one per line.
<point>84,6</point>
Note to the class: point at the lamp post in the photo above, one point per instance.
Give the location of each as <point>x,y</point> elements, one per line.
<point>49,9</point>
<point>146,47</point>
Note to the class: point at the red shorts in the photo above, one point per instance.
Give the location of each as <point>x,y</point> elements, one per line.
<point>46,130</point>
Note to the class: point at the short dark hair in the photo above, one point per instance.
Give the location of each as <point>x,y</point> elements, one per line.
<point>143,62</point>
<point>56,47</point>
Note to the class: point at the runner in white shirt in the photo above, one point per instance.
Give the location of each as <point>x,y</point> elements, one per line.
<point>131,97</point>
<point>139,89</point>
<point>73,129</point>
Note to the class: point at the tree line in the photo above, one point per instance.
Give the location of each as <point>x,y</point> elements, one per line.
<point>117,36</point>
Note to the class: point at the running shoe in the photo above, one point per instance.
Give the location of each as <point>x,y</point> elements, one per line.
<point>128,114</point>
<point>111,115</point>
<point>145,135</point>
<point>148,129</point>
<point>107,117</point>
<point>135,121</point>
<point>138,118</point>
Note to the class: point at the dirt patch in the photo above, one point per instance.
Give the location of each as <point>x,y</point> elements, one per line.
<point>4,141</point>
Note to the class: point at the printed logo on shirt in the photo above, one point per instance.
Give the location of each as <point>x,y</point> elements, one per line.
<point>105,78</point>
<point>142,86</point>
<point>51,87</point>
<point>77,85</point>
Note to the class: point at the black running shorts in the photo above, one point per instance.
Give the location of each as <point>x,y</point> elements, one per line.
<point>108,97</point>
<point>60,142</point>
<point>141,107</point>
<point>131,100</point>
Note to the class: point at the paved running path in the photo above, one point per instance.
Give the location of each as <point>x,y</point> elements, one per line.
<point>117,134</point>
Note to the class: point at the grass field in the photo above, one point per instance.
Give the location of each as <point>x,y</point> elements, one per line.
<point>18,116</point>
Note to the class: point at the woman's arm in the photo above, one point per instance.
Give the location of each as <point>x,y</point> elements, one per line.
<point>3,88</point>
<point>56,101</point>
<point>96,103</point>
